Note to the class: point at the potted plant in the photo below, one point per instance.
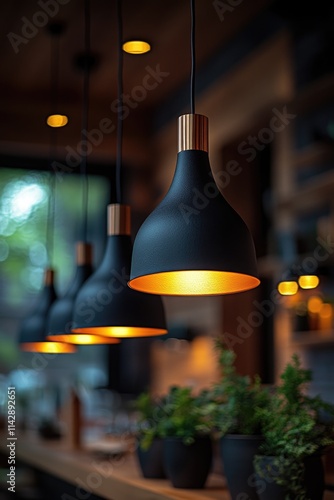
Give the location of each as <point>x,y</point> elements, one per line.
<point>187,444</point>
<point>149,450</point>
<point>297,429</point>
<point>237,417</point>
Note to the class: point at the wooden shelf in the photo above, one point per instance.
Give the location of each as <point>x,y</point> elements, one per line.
<point>119,480</point>
<point>316,154</point>
<point>315,94</point>
<point>313,338</point>
<point>311,195</point>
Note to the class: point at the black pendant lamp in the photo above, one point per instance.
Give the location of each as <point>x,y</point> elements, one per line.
<point>33,331</point>
<point>105,304</point>
<point>32,335</point>
<point>60,323</point>
<point>60,316</point>
<point>194,242</point>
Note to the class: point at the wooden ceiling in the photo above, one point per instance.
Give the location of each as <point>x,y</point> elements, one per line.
<point>25,75</point>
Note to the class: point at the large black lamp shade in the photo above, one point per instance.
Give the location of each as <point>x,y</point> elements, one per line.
<point>105,304</point>
<point>32,336</point>
<point>194,242</point>
<point>60,317</point>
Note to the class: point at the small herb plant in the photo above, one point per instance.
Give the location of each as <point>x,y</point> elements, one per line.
<point>186,416</point>
<point>294,428</point>
<point>238,402</point>
<point>150,413</point>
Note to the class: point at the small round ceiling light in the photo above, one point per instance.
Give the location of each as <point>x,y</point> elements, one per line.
<point>288,287</point>
<point>57,121</point>
<point>308,281</point>
<point>136,47</point>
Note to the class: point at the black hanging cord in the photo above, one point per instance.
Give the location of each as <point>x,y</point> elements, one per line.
<point>120,103</point>
<point>54,77</point>
<point>50,220</point>
<point>193,58</point>
<point>85,113</point>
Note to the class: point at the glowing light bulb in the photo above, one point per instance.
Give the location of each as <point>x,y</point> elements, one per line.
<point>57,121</point>
<point>288,287</point>
<point>307,282</point>
<point>136,47</point>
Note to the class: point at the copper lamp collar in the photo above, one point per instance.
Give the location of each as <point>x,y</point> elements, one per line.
<point>119,220</point>
<point>84,253</point>
<point>49,275</point>
<point>193,132</point>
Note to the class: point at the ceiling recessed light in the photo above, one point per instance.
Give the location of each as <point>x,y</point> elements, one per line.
<point>136,47</point>
<point>308,281</point>
<point>57,120</point>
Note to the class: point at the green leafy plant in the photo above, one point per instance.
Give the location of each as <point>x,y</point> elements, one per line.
<point>186,416</point>
<point>178,414</point>
<point>294,428</point>
<point>150,413</point>
<point>238,400</point>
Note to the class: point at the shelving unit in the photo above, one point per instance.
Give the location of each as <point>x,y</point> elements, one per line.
<point>317,153</point>
<point>294,199</point>
<point>315,338</point>
<point>315,94</point>
<point>311,195</point>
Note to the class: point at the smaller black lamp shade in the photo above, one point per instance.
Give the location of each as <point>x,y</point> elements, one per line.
<point>32,336</point>
<point>194,242</point>
<point>59,324</point>
<point>105,304</point>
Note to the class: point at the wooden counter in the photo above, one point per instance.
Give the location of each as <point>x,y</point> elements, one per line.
<point>112,479</point>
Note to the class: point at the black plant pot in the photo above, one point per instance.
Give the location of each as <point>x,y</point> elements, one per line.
<point>265,480</point>
<point>238,452</point>
<point>151,460</point>
<point>268,489</point>
<point>187,466</point>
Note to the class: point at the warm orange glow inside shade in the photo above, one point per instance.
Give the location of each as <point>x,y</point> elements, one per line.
<point>288,287</point>
<point>83,339</point>
<point>308,282</point>
<point>194,283</point>
<point>314,304</point>
<point>121,331</point>
<point>136,47</point>
<point>57,121</point>
<point>48,347</point>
